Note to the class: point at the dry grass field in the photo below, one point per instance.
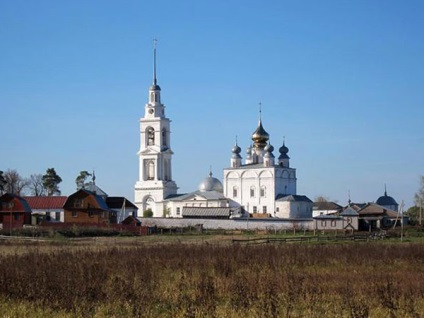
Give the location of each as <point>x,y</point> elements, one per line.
<point>209,277</point>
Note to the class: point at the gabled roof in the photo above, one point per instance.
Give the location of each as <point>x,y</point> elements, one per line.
<point>206,212</point>
<point>293,198</point>
<point>46,202</point>
<point>327,205</point>
<point>373,209</point>
<point>349,212</point>
<point>94,188</point>
<point>118,202</point>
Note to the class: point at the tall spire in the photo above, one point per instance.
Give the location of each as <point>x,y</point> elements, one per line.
<point>385,190</point>
<point>155,41</point>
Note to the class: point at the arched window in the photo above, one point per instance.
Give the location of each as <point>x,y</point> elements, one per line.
<point>252,191</point>
<point>164,143</point>
<point>150,136</point>
<point>150,170</point>
<point>235,192</point>
<point>263,191</point>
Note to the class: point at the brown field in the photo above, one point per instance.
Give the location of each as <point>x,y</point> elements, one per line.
<point>141,277</point>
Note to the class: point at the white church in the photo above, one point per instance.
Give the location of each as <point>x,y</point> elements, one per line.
<point>261,186</point>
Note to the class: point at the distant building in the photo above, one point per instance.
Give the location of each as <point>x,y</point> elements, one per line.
<point>48,208</point>
<point>87,207</point>
<point>15,211</point>
<point>387,201</point>
<point>326,207</point>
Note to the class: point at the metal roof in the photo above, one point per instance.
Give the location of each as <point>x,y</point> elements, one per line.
<point>206,212</point>
<point>45,202</point>
<point>293,198</point>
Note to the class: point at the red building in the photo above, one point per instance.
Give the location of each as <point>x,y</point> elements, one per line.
<point>14,211</point>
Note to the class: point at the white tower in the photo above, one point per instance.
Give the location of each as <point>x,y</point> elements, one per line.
<point>155,174</point>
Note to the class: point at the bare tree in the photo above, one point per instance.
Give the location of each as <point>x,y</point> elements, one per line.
<point>321,198</point>
<point>36,185</point>
<point>2,182</point>
<point>14,182</point>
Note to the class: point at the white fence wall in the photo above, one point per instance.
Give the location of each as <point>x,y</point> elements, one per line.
<point>233,224</point>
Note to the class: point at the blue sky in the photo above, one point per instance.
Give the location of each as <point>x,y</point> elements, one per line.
<point>341,80</point>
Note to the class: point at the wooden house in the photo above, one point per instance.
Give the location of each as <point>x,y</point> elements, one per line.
<point>14,211</point>
<point>46,208</point>
<point>87,207</point>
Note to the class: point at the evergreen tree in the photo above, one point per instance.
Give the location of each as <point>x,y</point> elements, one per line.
<point>80,180</point>
<point>51,182</point>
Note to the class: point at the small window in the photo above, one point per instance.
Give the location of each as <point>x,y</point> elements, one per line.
<point>178,211</point>
<point>262,191</point>
<point>323,223</point>
<point>234,192</point>
<point>16,216</point>
<point>57,216</point>
<point>278,209</point>
<point>333,223</point>
<point>255,209</point>
<point>74,214</point>
<point>252,192</point>
<point>264,209</point>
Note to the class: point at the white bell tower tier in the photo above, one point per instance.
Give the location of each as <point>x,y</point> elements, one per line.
<point>155,174</point>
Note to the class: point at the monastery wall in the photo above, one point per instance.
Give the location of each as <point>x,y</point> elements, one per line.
<point>232,224</point>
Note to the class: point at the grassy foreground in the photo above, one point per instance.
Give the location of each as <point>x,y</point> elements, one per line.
<point>211,280</point>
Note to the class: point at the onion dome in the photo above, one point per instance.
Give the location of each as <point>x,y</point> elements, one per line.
<point>386,200</point>
<point>268,151</point>
<point>249,150</point>
<point>211,184</point>
<point>283,151</point>
<point>236,151</point>
<point>260,136</point>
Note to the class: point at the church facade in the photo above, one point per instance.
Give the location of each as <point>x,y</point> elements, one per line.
<point>263,185</point>
<point>259,186</point>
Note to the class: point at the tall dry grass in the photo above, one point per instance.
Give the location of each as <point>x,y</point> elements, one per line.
<point>182,280</point>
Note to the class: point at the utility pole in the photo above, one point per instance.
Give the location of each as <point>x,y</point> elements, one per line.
<point>421,210</point>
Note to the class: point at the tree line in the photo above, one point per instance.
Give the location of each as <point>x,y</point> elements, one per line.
<point>37,184</point>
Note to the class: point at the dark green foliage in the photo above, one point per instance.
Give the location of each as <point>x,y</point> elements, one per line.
<point>51,182</point>
<point>80,180</point>
<point>147,213</point>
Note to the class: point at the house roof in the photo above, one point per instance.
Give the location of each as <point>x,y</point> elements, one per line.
<point>349,212</point>
<point>46,202</point>
<point>373,209</point>
<point>7,197</point>
<point>327,205</point>
<point>206,212</point>
<point>118,202</point>
<point>207,195</point>
<point>101,203</point>
<point>293,198</point>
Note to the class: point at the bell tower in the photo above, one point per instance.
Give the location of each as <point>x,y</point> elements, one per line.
<point>155,174</point>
